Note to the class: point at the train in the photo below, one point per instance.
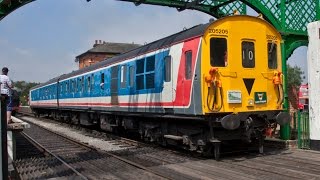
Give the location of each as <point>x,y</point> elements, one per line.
<point>211,84</point>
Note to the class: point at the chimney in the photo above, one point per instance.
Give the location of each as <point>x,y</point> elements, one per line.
<point>100,41</point>
<point>95,43</point>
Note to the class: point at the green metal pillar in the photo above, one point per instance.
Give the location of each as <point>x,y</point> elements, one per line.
<point>285,129</point>
<point>3,139</point>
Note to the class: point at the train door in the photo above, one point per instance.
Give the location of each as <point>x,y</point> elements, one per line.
<point>114,86</point>
<point>91,87</point>
<point>102,84</point>
<point>167,92</point>
<point>131,69</point>
<point>186,81</point>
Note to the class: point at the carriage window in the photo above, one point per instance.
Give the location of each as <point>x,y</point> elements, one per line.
<point>74,89</point>
<point>123,78</point>
<point>272,56</point>
<point>140,82</point>
<point>188,64</point>
<point>92,82</point>
<point>102,80</point>
<point>248,59</point>
<point>150,81</point>
<point>88,84</point>
<point>131,76</point>
<point>140,66</point>
<point>71,86</point>
<point>82,84</point>
<point>150,63</point>
<point>75,85</point>
<point>167,69</point>
<point>150,66</point>
<point>145,73</point>
<point>218,52</point>
<point>114,78</point>
<point>67,87</point>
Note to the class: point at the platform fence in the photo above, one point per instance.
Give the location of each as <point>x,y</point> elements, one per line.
<point>301,123</point>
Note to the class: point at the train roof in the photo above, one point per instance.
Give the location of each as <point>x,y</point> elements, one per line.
<point>195,31</point>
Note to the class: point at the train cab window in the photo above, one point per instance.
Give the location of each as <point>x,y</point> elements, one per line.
<point>131,76</point>
<point>188,64</point>
<point>123,78</point>
<point>218,52</point>
<point>102,80</point>
<point>167,69</point>
<point>272,56</point>
<point>248,54</point>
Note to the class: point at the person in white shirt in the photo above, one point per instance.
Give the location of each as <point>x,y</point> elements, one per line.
<point>6,87</point>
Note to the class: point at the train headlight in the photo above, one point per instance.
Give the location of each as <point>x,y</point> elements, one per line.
<point>250,102</point>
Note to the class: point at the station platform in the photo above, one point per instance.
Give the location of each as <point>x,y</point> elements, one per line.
<point>12,129</point>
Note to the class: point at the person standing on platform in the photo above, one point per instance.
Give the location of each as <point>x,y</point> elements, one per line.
<point>6,90</point>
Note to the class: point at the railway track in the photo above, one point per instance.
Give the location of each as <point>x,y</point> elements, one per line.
<point>37,163</point>
<point>274,164</point>
<point>64,170</point>
<point>129,155</point>
<point>84,161</point>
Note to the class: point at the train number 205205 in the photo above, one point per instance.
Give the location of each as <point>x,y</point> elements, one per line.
<point>218,31</point>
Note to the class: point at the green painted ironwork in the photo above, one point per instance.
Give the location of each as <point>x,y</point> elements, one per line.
<point>303,130</point>
<point>7,6</point>
<point>3,139</point>
<point>285,129</point>
<point>288,16</point>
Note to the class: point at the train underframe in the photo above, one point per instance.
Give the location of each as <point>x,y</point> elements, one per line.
<point>202,134</point>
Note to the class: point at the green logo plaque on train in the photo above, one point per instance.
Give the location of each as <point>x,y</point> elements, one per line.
<point>260,97</point>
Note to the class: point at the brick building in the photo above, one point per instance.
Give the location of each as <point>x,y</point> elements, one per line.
<point>101,51</point>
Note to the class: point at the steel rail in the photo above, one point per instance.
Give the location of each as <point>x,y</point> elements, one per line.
<point>108,153</point>
<point>121,139</point>
<point>52,154</point>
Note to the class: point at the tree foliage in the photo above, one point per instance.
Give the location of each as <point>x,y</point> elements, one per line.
<point>294,76</point>
<point>23,88</point>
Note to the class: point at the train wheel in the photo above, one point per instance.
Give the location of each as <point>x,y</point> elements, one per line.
<point>260,145</point>
<point>216,151</point>
<point>261,149</point>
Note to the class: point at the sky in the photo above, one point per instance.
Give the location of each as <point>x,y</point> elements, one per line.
<point>40,40</point>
